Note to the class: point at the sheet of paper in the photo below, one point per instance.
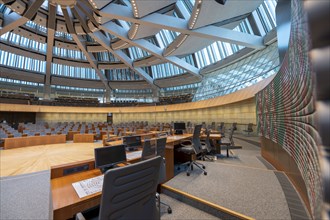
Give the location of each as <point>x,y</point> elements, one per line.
<point>133,155</point>
<point>89,186</point>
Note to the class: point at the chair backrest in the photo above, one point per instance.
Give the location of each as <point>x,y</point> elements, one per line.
<point>207,141</point>
<point>234,126</point>
<point>160,150</point>
<point>213,125</point>
<point>250,125</point>
<point>148,150</point>
<point>161,144</point>
<point>196,139</point>
<point>230,137</point>
<point>129,192</point>
<point>162,134</point>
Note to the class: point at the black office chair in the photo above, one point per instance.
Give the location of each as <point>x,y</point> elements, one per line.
<point>234,126</point>
<point>221,129</point>
<point>229,142</point>
<point>160,149</point>
<point>207,147</point>
<point>128,193</point>
<point>148,150</point>
<point>162,134</point>
<point>213,125</point>
<point>191,148</point>
<point>249,129</point>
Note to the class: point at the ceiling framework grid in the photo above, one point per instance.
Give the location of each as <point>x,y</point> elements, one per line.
<point>115,26</point>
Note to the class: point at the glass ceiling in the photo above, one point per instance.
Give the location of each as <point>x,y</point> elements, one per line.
<point>75,55</point>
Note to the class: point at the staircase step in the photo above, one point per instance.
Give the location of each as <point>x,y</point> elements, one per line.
<point>203,205</point>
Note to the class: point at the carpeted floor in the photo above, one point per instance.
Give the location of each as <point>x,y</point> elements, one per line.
<point>26,196</point>
<point>250,191</point>
<point>244,183</point>
<point>182,211</point>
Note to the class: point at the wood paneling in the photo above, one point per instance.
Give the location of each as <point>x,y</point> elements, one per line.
<point>59,170</point>
<point>74,117</point>
<point>17,142</point>
<point>83,138</point>
<point>282,161</point>
<point>235,97</point>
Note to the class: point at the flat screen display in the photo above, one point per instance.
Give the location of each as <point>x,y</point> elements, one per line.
<point>132,141</point>
<point>180,126</point>
<point>107,157</point>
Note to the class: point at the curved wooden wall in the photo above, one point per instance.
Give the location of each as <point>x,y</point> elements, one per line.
<point>236,107</point>
<point>235,97</point>
<point>286,116</point>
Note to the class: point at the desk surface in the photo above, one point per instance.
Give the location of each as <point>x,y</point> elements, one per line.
<point>65,199</point>
<point>170,141</point>
<point>17,142</point>
<point>66,206</point>
<point>212,136</point>
<point>43,157</point>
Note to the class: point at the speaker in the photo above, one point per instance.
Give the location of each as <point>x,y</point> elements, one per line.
<point>221,1</point>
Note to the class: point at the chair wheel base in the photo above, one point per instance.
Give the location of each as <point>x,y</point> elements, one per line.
<point>169,210</point>
<point>188,174</point>
<point>203,167</point>
<point>205,173</point>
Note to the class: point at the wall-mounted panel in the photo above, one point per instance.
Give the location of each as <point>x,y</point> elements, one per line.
<point>286,114</point>
<point>70,117</point>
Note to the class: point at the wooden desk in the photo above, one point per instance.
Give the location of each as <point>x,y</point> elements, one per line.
<point>66,202</point>
<point>83,138</point>
<point>70,135</point>
<point>215,137</point>
<point>17,142</point>
<point>171,141</point>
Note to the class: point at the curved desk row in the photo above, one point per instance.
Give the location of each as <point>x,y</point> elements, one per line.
<point>67,206</point>
<point>17,142</point>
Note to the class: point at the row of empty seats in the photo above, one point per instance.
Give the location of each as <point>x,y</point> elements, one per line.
<point>16,97</point>
<point>175,99</point>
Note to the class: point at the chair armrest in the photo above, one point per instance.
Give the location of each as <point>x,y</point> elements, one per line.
<point>225,141</point>
<point>186,143</point>
<point>80,216</point>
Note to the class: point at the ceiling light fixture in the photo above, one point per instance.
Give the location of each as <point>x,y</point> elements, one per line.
<point>196,13</point>
<point>134,6</point>
<point>222,2</point>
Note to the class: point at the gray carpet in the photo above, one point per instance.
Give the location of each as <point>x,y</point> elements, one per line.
<point>251,140</point>
<point>26,196</point>
<point>182,210</point>
<point>247,156</point>
<point>245,183</point>
<point>249,191</point>
<point>296,206</point>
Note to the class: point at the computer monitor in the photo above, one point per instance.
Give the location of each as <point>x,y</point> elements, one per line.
<point>132,142</point>
<point>108,157</point>
<point>179,127</point>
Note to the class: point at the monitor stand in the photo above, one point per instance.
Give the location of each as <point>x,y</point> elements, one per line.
<point>105,169</point>
<point>131,148</point>
<point>178,131</point>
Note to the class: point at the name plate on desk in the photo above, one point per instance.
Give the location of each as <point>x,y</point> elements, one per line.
<point>77,169</point>
<point>89,186</point>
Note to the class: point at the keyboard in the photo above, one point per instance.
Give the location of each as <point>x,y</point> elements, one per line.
<point>89,186</point>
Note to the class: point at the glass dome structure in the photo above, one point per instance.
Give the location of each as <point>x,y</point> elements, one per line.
<point>135,49</point>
